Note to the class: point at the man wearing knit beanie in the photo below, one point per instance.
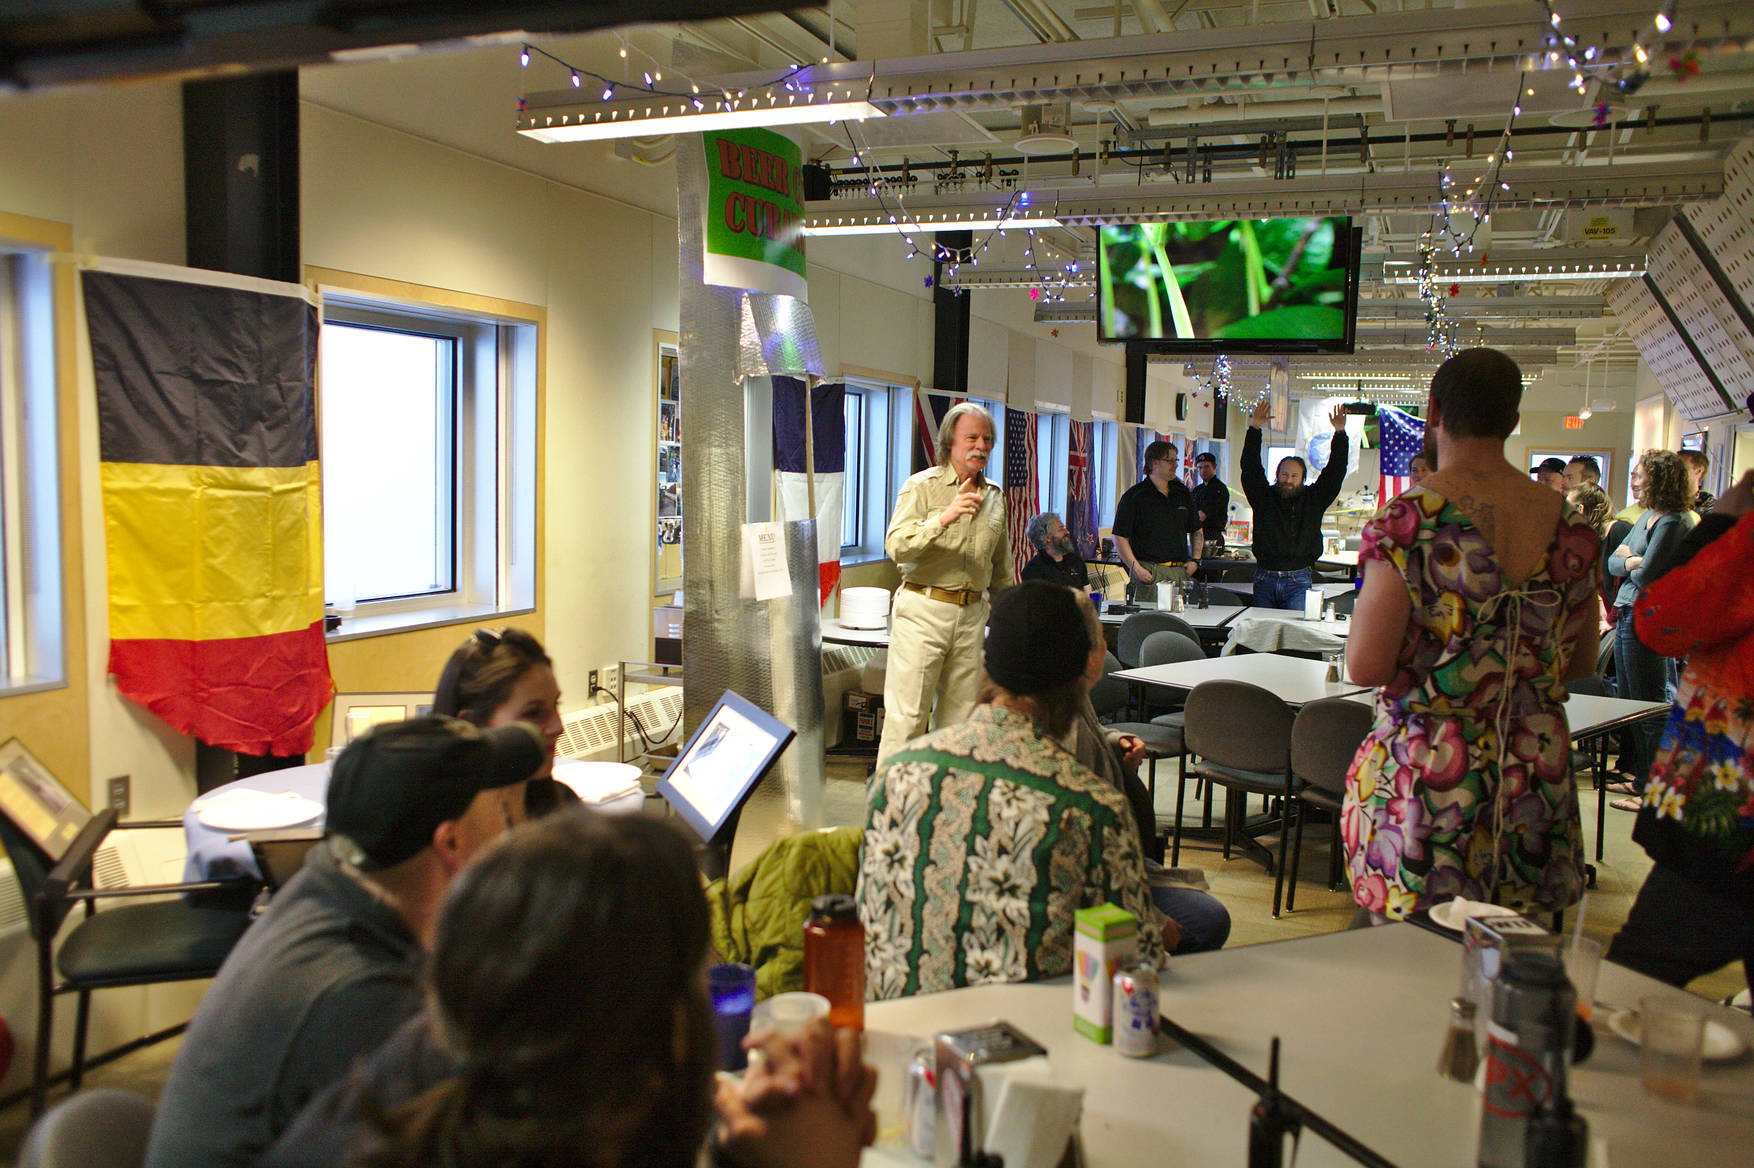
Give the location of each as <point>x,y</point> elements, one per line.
<point>983,838</point>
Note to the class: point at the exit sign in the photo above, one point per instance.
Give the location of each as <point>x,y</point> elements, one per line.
<point>1573,422</point>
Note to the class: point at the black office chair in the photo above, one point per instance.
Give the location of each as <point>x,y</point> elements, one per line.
<point>1109,697</point>
<point>1242,735</point>
<point>1324,740</point>
<point>1140,625</point>
<point>163,940</point>
<point>1162,739</point>
<point>1217,595</point>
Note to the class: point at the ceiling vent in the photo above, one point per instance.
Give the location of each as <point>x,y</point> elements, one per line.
<point>1047,129</point>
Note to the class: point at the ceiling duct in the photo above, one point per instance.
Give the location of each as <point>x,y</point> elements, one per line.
<point>1046,129</point>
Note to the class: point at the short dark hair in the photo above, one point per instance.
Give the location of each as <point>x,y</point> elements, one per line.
<point>1477,393</point>
<point>1159,449</point>
<point>1592,470</point>
<point>1696,460</point>
<point>1206,456</point>
<point>1298,459</point>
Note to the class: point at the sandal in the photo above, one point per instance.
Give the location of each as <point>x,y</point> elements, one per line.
<point>1630,803</point>
<point>1621,787</point>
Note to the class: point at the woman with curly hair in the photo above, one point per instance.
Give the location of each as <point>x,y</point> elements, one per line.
<point>1665,489</point>
<point>1479,602</point>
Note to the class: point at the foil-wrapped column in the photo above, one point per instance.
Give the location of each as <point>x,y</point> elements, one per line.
<point>770,652</point>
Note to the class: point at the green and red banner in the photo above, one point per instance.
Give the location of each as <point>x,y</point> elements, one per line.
<point>754,211</point>
<point>207,433</point>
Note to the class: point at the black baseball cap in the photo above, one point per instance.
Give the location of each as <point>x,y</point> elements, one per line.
<point>392,788</point>
<point>1549,465</point>
<point>1036,639</point>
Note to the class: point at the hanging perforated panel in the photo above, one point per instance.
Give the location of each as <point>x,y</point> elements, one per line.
<point>1726,224</point>
<point>1705,312</point>
<point>1663,349</point>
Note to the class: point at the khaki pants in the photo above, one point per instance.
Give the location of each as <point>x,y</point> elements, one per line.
<point>1147,593</point>
<point>934,658</point>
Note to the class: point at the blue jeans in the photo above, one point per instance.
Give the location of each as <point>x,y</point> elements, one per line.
<point>1641,675</point>
<point>1204,921</point>
<point>1281,589</point>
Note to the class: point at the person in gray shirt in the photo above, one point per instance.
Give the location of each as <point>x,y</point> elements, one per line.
<point>332,968</point>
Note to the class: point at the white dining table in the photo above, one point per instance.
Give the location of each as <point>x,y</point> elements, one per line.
<point>1296,681</point>
<point>1591,719</point>
<point>1214,617</point>
<point>1361,1017</point>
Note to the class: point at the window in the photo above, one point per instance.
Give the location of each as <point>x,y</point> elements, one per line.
<point>31,648</point>
<point>428,457</point>
<point>1105,471</point>
<point>853,483</point>
<point>871,480</point>
<point>1053,434</point>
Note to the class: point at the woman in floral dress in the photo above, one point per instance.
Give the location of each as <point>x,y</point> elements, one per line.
<point>1479,600</point>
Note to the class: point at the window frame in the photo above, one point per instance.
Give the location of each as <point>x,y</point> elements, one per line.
<point>495,448</point>
<point>1105,470</point>
<point>876,464</point>
<point>33,633</point>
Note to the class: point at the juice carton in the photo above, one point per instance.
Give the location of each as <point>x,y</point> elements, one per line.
<point>1105,936</point>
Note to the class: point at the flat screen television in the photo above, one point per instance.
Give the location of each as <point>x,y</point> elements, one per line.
<point>1230,285</point>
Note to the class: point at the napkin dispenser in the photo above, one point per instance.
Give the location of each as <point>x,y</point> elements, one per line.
<point>995,1094</point>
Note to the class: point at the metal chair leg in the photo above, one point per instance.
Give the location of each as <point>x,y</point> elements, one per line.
<point>39,1084</point>
<point>81,1023</point>
<point>1284,839</point>
<point>1296,856</point>
<point>1181,790</point>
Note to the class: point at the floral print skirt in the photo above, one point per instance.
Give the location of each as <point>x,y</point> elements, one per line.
<point>1439,807</point>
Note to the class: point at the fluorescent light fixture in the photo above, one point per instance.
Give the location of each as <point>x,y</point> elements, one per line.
<point>1525,275</point>
<point>877,225</point>
<point>668,114</point>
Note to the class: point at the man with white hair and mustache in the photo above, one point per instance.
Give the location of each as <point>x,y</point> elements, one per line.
<point>948,539</point>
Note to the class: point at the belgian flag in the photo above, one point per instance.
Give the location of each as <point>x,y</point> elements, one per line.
<point>212,505</point>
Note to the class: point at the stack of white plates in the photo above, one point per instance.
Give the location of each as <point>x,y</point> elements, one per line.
<point>611,787</point>
<point>864,608</point>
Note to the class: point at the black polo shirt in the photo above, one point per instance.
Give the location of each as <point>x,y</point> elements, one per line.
<point>1213,498</point>
<point>1068,570</point>
<point>1158,525</point>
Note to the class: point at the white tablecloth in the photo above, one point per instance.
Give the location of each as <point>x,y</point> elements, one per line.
<point>1268,630</point>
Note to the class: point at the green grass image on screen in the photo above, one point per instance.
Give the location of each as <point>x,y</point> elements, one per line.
<point>1235,279</point>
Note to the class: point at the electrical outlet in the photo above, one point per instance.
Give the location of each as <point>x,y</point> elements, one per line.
<point>591,686</point>
<point>611,677</point>
<point>120,796</point>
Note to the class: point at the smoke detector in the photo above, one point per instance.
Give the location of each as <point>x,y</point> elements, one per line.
<point>1047,129</point>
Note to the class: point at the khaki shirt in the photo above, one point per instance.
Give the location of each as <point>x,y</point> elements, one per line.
<point>973,553</point>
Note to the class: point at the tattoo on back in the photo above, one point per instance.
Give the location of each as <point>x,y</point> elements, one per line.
<point>1480,511</point>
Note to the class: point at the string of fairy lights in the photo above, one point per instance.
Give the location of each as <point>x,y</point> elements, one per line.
<point>1461,210</point>
<point>651,83</point>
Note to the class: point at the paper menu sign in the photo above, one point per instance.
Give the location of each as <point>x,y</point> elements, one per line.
<point>766,574</point>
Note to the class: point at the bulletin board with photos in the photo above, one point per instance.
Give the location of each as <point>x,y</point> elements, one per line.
<point>667,557</point>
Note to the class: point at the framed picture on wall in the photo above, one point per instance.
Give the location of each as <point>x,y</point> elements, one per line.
<point>36,802</point>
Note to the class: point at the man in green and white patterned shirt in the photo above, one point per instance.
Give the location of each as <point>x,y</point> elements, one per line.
<point>983,838</point>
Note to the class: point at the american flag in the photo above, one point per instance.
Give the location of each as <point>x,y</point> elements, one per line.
<point>1080,500</point>
<point>1403,436</point>
<point>1020,483</point>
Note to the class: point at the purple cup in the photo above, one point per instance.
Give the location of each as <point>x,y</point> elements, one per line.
<point>731,989</point>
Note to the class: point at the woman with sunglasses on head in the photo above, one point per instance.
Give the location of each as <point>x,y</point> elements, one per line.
<point>567,1026</point>
<point>505,675</point>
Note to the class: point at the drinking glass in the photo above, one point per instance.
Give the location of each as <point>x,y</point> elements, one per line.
<point>1673,1038</point>
<point>732,990</point>
<point>1583,957</point>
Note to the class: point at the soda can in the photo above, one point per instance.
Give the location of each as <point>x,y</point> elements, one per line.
<point>1135,1009</point>
<point>920,1096</point>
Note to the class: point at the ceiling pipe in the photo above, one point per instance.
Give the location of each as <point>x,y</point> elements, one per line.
<point>1247,108</point>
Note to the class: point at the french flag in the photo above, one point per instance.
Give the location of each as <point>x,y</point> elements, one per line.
<point>795,484</point>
